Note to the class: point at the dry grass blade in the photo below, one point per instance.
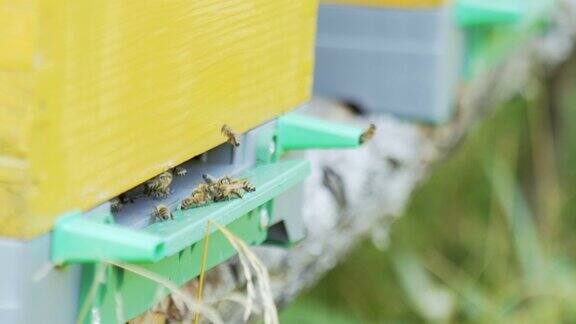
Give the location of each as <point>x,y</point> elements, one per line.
<point>249,259</point>
<point>119,303</point>
<point>43,271</point>
<point>99,277</point>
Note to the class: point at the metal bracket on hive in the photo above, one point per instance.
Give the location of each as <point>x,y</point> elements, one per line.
<point>172,248</point>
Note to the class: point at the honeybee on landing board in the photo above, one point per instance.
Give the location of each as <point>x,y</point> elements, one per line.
<point>116,204</point>
<point>245,185</point>
<point>179,171</point>
<point>213,181</point>
<point>158,186</point>
<point>227,192</point>
<point>162,212</point>
<point>187,203</point>
<point>209,179</point>
<point>216,189</point>
<point>229,188</point>
<point>232,137</point>
<point>201,195</point>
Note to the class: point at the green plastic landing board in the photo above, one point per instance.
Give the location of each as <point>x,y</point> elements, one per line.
<point>125,295</point>
<point>85,238</point>
<point>172,249</point>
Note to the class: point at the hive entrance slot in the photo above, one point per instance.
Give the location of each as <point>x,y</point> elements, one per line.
<point>137,208</point>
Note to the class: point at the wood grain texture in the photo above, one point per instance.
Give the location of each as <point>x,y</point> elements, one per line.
<point>17,21</point>
<point>392,3</point>
<point>123,90</point>
<point>16,91</point>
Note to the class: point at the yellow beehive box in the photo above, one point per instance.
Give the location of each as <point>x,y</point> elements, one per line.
<point>392,3</point>
<point>96,96</point>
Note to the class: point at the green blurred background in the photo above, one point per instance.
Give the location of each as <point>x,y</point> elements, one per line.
<point>488,238</point>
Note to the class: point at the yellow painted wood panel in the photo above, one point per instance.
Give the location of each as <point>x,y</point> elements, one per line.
<point>412,4</point>
<point>16,34</point>
<point>16,90</point>
<point>126,89</point>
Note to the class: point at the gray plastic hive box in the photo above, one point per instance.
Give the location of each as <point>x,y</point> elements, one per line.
<point>385,60</point>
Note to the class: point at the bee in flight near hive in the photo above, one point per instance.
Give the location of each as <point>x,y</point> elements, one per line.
<point>368,134</point>
<point>232,137</point>
<point>179,171</point>
<point>158,186</point>
<point>162,213</point>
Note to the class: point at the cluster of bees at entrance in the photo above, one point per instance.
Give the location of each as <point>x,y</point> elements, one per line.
<point>215,190</point>
<point>211,190</point>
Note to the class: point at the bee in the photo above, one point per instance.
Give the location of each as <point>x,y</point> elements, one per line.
<point>201,195</point>
<point>162,212</point>
<point>368,134</point>
<point>229,188</point>
<point>245,185</point>
<point>232,137</point>
<point>116,204</point>
<point>227,192</point>
<point>209,179</point>
<point>179,171</point>
<point>187,203</point>
<point>215,182</point>
<point>197,198</point>
<point>158,186</point>
<point>124,199</point>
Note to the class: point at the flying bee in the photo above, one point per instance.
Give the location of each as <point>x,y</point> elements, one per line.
<point>368,134</point>
<point>232,137</point>
<point>179,171</point>
<point>158,186</point>
<point>162,212</point>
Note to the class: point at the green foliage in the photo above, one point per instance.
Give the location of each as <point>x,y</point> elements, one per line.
<point>486,238</point>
